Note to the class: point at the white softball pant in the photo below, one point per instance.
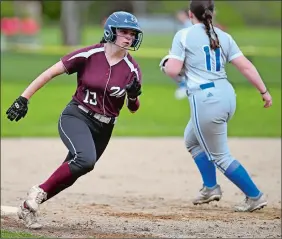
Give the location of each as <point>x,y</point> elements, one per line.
<point>211,109</point>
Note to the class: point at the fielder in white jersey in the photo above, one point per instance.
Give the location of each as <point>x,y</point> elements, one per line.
<point>200,53</point>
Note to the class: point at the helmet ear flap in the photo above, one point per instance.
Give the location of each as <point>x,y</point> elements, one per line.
<point>137,41</point>
<point>110,35</point>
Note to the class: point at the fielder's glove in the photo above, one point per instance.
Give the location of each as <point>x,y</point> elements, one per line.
<point>18,109</point>
<point>133,89</point>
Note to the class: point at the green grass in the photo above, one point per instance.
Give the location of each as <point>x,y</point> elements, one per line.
<point>15,67</point>
<point>265,42</point>
<point>253,41</point>
<point>267,37</point>
<point>160,114</point>
<point>9,234</point>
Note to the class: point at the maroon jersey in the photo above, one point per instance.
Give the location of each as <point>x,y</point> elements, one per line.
<point>100,87</point>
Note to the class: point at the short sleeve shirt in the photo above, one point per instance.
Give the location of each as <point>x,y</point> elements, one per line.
<point>100,87</point>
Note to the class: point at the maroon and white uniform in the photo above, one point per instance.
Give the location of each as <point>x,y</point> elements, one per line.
<point>101,87</point>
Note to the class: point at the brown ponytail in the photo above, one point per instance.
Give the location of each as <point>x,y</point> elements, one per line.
<point>207,20</point>
<point>203,10</point>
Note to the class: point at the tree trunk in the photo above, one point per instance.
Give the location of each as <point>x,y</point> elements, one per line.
<point>71,23</point>
<point>31,9</point>
<point>139,8</point>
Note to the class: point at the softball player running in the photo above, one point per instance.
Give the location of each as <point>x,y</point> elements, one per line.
<point>106,76</point>
<point>200,53</point>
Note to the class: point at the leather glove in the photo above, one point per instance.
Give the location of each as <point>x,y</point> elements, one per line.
<point>133,89</point>
<point>18,109</point>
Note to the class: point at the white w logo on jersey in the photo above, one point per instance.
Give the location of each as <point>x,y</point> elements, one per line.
<point>117,91</point>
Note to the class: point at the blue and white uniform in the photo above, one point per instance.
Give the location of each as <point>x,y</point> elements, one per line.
<point>212,102</point>
<point>211,107</point>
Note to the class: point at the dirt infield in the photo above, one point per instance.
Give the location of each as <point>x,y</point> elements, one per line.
<point>142,188</point>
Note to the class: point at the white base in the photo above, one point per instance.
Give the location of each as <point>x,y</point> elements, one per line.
<point>8,210</point>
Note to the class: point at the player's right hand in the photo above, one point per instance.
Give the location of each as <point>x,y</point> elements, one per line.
<point>18,109</point>
<point>267,99</point>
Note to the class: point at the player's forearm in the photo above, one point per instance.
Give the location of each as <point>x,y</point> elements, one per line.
<point>42,79</point>
<point>250,72</point>
<point>171,73</point>
<point>38,83</point>
<point>172,67</point>
<point>254,78</point>
<point>133,104</point>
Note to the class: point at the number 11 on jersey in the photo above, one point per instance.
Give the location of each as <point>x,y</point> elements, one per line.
<point>208,58</point>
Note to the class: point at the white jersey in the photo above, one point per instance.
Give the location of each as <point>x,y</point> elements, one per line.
<point>201,63</point>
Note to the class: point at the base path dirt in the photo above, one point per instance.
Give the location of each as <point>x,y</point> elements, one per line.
<point>141,187</point>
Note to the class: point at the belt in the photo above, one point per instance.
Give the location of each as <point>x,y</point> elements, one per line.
<point>207,85</point>
<point>99,117</point>
<point>202,87</point>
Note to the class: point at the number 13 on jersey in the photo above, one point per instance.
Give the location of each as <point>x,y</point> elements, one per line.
<point>216,52</point>
<point>90,97</point>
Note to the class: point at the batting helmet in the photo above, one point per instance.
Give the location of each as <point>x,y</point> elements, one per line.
<point>122,20</point>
